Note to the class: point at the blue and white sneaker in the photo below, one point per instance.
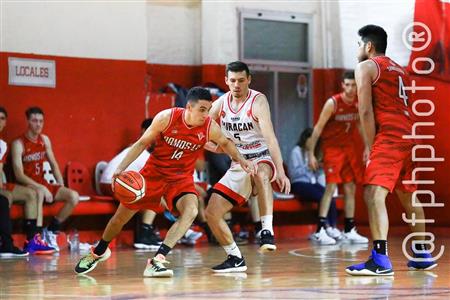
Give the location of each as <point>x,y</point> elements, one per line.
<point>424,262</point>
<point>190,237</point>
<point>51,238</point>
<point>377,265</point>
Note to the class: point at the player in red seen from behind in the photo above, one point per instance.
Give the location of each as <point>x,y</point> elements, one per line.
<point>387,119</point>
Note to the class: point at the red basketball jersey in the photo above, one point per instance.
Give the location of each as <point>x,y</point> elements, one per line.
<point>339,130</point>
<point>178,147</point>
<point>391,102</point>
<point>33,158</point>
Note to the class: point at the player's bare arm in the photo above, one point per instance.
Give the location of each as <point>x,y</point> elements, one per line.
<point>216,136</point>
<point>261,111</point>
<point>52,160</point>
<point>214,112</point>
<point>212,147</point>
<point>160,122</point>
<point>325,115</point>
<point>365,74</point>
<point>366,146</point>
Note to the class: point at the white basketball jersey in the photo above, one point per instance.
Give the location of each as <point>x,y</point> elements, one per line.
<point>241,126</point>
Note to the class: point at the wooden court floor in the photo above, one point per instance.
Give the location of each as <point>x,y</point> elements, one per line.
<point>298,270</point>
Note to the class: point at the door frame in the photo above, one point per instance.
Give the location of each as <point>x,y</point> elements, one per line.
<point>286,69</point>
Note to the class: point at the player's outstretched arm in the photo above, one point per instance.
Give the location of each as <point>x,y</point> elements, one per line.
<point>216,136</point>
<point>212,147</point>
<point>325,115</point>
<point>52,160</point>
<point>365,73</point>
<point>159,124</point>
<point>261,112</point>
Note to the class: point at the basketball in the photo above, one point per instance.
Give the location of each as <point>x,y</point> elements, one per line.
<point>129,187</point>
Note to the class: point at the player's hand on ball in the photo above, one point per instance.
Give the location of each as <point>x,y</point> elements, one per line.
<point>129,187</point>
<point>113,179</point>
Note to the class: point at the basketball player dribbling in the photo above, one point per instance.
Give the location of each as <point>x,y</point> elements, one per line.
<point>245,119</point>
<point>179,136</point>
<point>386,117</point>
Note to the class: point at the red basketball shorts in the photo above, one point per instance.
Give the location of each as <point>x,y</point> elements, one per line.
<point>342,165</point>
<point>158,186</point>
<point>390,163</point>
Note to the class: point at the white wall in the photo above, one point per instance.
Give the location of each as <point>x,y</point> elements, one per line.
<point>393,16</point>
<point>220,25</point>
<point>189,32</point>
<point>174,32</point>
<point>114,30</point>
<point>206,32</point>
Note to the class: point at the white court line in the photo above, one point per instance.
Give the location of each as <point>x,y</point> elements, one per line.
<point>295,253</point>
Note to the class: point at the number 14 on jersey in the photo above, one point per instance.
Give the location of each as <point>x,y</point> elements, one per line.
<point>177,154</point>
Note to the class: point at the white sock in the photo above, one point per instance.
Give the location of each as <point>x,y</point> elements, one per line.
<point>266,222</point>
<point>232,249</point>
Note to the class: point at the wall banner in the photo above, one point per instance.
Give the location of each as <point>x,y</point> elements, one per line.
<point>31,72</point>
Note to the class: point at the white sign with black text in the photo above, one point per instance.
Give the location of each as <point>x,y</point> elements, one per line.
<point>32,72</point>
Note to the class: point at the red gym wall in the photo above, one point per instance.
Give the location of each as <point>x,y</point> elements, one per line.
<point>94,111</point>
<point>98,104</point>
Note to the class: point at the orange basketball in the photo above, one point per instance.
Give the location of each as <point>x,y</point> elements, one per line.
<point>129,187</point>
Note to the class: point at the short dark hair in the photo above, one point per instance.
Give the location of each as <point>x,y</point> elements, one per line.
<point>304,136</point>
<point>376,35</point>
<point>348,74</point>
<point>3,110</point>
<point>198,93</point>
<point>237,66</point>
<point>33,110</point>
<point>146,123</point>
<point>306,133</point>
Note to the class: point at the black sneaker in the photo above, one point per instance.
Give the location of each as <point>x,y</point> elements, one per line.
<point>12,252</point>
<point>266,241</point>
<point>147,241</point>
<point>231,264</point>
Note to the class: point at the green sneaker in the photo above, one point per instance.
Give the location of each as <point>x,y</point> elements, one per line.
<point>88,262</point>
<point>155,267</point>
